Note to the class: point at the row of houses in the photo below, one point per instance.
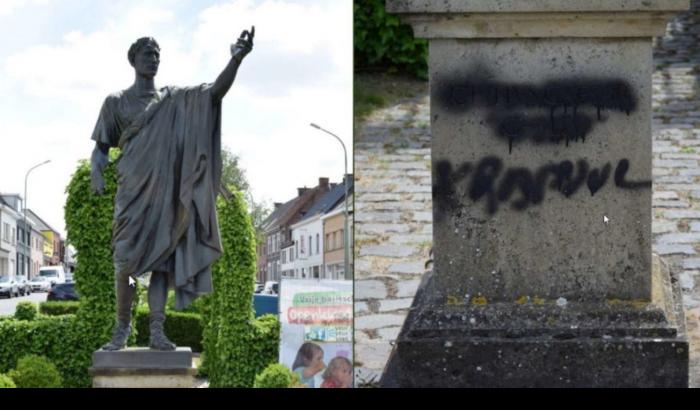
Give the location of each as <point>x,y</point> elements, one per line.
<point>304,238</point>
<point>27,242</point>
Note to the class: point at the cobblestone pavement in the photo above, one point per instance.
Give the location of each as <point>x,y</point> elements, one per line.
<point>676,104</point>
<point>393,222</point>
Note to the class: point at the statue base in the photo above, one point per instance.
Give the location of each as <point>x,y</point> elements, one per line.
<point>543,344</point>
<point>136,367</point>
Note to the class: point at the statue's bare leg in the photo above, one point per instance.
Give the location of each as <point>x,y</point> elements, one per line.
<point>122,329</point>
<point>157,298</point>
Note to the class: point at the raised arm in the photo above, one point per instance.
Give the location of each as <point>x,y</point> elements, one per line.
<point>238,51</point>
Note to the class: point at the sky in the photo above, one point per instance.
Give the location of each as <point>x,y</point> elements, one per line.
<point>59,59</point>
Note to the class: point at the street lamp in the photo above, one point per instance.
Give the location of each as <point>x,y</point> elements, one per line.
<point>26,176</point>
<point>348,274</point>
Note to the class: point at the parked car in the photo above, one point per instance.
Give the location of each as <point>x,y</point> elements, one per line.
<point>40,284</point>
<point>8,286</point>
<point>25,288</point>
<point>63,291</point>
<point>259,287</point>
<point>55,274</point>
<point>271,288</point>
<point>264,304</point>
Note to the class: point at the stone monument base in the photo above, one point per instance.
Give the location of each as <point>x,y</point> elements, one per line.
<point>537,343</point>
<point>143,367</point>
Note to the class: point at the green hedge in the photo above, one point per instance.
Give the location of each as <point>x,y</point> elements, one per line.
<point>236,346</point>
<point>276,376</point>
<point>56,308</point>
<point>382,41</point>
<point>182,328</point>
<point>35,372</point>
<point>6,382</point>
<point>25,310</point>
<point>55,338</point>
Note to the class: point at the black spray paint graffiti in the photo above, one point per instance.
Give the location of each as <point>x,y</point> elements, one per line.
<point>562,101</point>
<point>562,177</point>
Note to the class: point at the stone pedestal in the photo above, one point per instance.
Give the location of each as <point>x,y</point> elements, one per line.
<point>541,155</point>
<point>143,367</point>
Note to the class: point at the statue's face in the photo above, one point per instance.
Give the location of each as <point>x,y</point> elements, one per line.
<point>146,61</point>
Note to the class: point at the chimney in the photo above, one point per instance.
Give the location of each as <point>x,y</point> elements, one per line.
<point>301,191</point>
<point>323,183</point>
<point>277,205</point>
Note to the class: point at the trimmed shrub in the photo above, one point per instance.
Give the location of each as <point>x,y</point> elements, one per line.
<point>182,328</point>
<point>25,311</point>
<point>56,308</point>
<point>382,41</point>
<point>236,346</point>
<point>6,382</point>
<point>276,376</point>
<point>35,371</point>
<point>53,337</point>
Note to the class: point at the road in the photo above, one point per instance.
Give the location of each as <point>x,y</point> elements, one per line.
<point>7,306</point>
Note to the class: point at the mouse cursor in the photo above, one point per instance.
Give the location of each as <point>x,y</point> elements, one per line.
<point>132,282</point>
<point>605,219</point>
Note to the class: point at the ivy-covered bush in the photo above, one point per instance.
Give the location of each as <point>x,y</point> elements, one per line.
<point>382,41</point>
<point>6,382</point>
<point>35,372</point>
<point>236,345</point>
<point>56,307</point>
<point>182,328</point>
<point>25,311</point>
<point>89,225</point>
<point>276,376</point>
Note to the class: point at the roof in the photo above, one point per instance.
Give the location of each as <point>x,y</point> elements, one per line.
<point>279,212</point>
<point>328,200</point>
<point>41,225</point>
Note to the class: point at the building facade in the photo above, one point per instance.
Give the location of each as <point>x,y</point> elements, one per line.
<point>334,242</point>
<point>37,251</point>
<point>8,238</point>
<point>307,234</point>
<point>277,228</point>
<point>53,244</point>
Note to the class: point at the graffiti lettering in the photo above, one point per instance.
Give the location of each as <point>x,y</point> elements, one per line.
<point>562,105</point>
<point>520,186</point>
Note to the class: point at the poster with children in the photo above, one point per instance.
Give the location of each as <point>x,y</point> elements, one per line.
<point>316,331</point>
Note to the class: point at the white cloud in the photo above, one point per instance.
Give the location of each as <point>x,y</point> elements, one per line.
<point>299,72</point>
<point>7,7</point>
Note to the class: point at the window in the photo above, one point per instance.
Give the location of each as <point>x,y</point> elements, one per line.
<point>341,239</point>
<point>317,245</point>
<point>310,245</point>
<point>296,249</point>
<point>6,232</point>
<point>14,237</point>
<point>302,245</point>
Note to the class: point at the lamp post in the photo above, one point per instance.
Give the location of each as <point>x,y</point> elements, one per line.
<point>348,274</point>
<point>26,176</point>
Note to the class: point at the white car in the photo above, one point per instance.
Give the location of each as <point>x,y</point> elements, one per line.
<point>271,288</point>
<point>40,284</point>
<point>8,286</point>
<point>55,274</point>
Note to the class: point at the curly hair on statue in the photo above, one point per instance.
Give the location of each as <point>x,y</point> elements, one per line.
<point>139,44</point>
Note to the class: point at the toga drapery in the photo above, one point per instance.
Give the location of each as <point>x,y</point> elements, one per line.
<point>168,178</point>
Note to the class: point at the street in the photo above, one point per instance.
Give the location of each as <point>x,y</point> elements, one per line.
<point>7,306</point>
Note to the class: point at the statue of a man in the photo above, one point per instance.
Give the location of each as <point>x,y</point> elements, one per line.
<point>168,179</point>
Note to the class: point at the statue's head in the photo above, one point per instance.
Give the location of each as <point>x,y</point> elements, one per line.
<point>144,56</point>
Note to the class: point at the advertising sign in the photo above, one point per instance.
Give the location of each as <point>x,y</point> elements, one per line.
<point>316,331</point>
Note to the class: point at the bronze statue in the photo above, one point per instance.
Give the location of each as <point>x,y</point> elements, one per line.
<point>168,177</point>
